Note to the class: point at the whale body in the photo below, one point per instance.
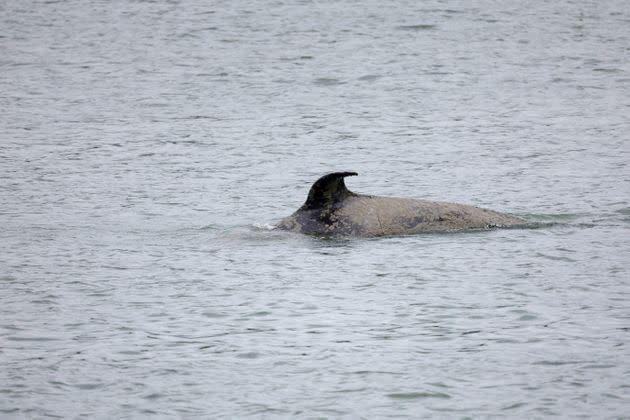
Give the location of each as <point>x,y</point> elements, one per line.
<point>332,209</point>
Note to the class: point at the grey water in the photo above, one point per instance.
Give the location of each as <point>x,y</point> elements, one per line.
<point>148,147</point>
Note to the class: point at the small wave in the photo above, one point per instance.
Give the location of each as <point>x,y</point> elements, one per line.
<point>416,395</point>
<point>575,220</point>
<point>327,81</point>
<point>263,226</point>
<point>252,234</point>
<point>419,27</point>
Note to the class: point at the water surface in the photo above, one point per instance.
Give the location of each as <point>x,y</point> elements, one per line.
<point>146,148</point>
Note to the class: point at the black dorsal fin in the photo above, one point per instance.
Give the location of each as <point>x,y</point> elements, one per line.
<point>328,190</point>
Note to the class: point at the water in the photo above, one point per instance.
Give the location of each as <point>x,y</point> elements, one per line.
<point>147,147</point>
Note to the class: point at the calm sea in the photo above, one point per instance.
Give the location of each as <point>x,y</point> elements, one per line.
<point>147,147</point>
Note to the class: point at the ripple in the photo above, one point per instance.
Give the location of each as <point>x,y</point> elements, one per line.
<point>258,313</point>
<point>607,70</point>
<point>418,395</point>
<point>514,406</point>
<point>419,27</point>
<point>249,355</point>
<point>9,410</point>
<point>370,77</point>
<point>88,386</point>
<point>210,314</point>
<point>34,339</point>
<point>326,81</point>
<point>555,257</point>
<point>377,372</point>
<point>557,362</point>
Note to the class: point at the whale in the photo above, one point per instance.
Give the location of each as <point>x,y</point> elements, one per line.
<point>333,210</point>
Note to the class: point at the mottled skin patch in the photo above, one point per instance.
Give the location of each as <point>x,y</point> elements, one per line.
<point>331,209</point>
<point>324,222</point>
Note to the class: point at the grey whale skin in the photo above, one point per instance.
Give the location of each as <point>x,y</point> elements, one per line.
<point>332,209</point>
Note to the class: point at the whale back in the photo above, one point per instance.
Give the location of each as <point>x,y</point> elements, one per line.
<point>381,216</point>
<point>332,209</point>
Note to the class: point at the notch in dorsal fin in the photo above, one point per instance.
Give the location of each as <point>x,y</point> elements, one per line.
<point>328,190</point>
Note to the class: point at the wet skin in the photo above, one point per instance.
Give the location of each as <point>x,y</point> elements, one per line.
<point>332,209</point>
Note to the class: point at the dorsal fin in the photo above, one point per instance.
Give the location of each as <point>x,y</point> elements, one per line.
<point>328,190</point>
